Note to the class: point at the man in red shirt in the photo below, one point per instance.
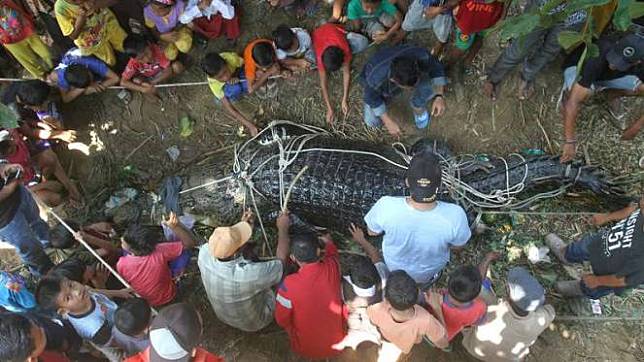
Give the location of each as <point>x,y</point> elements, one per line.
<point>175,334</point>
<point>146,268</point>
<point>473,19</point>
<point>333,47</point>
<point>309,306</point>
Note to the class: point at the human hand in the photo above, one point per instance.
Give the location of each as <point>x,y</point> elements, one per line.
<point>357,234</point>
<point>568,152</point>
<point>325,238</point>
<point>379,37</point>
<point>438,106</point>
<point>393,129</point>
<point>273,3</point>
<point>248,216</point>
<point>598,219</point>
<point>10,170</point>
<point>149,88</point>
<point>101,274</point>
<point>345,106</point>
<point>432,11</point>
<point>68,136</point>
<point>330,115</point>
<point>125,293</point>
<point>283,221</point>
<point>590,281</point>
<point>172,221</point>
<point>492,256</point>
<point>233,80</point>
<point>253,130</point>
<point>170,37</point>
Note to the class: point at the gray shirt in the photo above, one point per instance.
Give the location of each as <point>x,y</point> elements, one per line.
<point>131,345</point>
<point>239,290</point>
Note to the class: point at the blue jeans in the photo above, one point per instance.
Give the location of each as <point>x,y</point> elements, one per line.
<point>423,93</point>
<point>28,233</point>
<point>577,252</point>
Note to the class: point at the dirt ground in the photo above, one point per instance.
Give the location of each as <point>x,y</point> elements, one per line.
<point>129,142</point>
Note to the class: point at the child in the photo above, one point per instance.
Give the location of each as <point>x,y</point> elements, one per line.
<point>361,287</point>
<point>95,30</point>
<point>211,18</point>
<point>458,307</point>
<point>259,65</point>
<point>98,236</point>
<point>25,339</point>
<point>78,75</point>
<point>18,35</point>
<point>40,119</point>
<point>401,321</point>
<point>90,312</point>
<point>434,14</point>
<point>333,47</point>
<point>378,19</point>
<point>473,19</point>
<point>15,150</point>
<point>147,66</point>
<point>227,81</point>
<point>131,325</point>
<point>163,17</point>
<point>14,295</point>
<point>147,269</point>
<point>294,48</point>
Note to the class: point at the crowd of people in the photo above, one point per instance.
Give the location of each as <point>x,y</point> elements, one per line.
<point>80,310</point>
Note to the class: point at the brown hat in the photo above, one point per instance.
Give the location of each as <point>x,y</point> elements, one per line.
<point>225,241</point>
<point>174,333</point>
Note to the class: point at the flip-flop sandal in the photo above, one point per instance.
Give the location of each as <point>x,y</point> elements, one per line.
<point>492,94</point>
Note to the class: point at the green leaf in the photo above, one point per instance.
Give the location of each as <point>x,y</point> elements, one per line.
<point>570,39</point>
<point>514,27</point>
<point>593,50</point>
<point>580,4</point>
<point>8,117</point>
<point>186,126</point>
<point>636,9</point>
<point>622,16</point>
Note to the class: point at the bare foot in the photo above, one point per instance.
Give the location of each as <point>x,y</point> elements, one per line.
<point>489,89</point>
<point>526,89</point>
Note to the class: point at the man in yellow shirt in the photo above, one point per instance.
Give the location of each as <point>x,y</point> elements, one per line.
<point>93,28</point>
<point>228,83</point>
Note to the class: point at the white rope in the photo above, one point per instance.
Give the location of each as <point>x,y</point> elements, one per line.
<point>205,185</point>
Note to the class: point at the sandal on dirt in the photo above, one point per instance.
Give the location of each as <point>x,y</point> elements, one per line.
<point>526,89</point>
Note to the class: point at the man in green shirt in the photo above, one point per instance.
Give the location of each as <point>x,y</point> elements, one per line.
<point>378,19</point>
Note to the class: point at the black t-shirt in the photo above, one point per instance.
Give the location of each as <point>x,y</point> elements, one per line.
<point>9,206</point>
<point>620,250</point>
<point>597,69</point>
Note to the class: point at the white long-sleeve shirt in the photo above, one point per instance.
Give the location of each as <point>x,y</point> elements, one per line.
<point>192,10</point>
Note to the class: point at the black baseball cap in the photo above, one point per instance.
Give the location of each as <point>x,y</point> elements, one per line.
<point>424,177</point>
<point>174,333</point>
<point>626,52</point>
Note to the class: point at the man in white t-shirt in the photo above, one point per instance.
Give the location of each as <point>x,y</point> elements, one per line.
<point>419,231</point>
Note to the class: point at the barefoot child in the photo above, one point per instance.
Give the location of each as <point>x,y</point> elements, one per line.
<point>162,16</point>
<point>147,67</point>
<point>294,48</point>
<point>227,81</point>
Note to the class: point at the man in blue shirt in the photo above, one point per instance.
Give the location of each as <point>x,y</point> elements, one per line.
<point>419,230</point>
<point>78,75</point>
<point>394,69</point>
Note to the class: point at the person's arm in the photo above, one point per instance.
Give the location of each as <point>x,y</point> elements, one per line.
<point>111,79</point>
<point>263,78</point>
<point>610,281</point>
<point>485,264</point>
<point>389,33</point>
<point>71,94</point>
<point>602,219</point>
<point>137,87</point>
<point>97,242</point>
<point>79,24</point>
<point>577,96</point>
<point>338,6</point>
<point>284,308</point>
<point>324,84</point>
<point>346,84</point>
<point>124,293</point>
<point>233,111</point>
<point>283,239</point>
<point>358,236</point>
<point>186,237</point>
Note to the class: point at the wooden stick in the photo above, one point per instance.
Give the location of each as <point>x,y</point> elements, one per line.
<point>138,148</point>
